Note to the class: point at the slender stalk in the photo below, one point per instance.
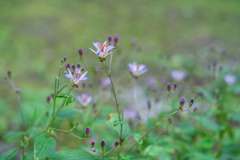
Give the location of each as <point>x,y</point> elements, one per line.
<point>76,136</point>
<point>110,63</point>
<point>167,105</point>
<point>103,154</point>
<point>62,88</point>
<point>135,93</point>
<point>113,91</point>
<point>140,139</point>
<point>25,143</point>
<point>23,121</point>
<point>23,147</point>
<point>109,151</point>
<point>59,76</point>
<point>90,66</point>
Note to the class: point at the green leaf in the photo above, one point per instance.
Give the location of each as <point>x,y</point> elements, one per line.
<point>158,123</point>
<point>14,134</point>
<point>67,113</point>
<point>125,127</point>
<point>69,98</point>
<point>118,122</point>
<point>137,137</point>
<point>71,154</point>
<point>124,157</point>
<point>44,146</point>
<point>6,154</point>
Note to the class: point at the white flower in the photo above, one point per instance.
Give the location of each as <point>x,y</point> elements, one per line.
<point>102,50</point>
<point>230,79</point>
<point>76,78</point>
<point>137,69</point>
<point>84,99</point>
<point>105,82</point>
<point>178,75</point>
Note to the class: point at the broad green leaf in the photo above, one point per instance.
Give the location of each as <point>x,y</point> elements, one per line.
<point>67,113</point>
<point>137,137</point>
<point>71,154</point>
<point>158,123</point>
<point>125,127</point>
<point>44,147</point>
<point>14,134</point>
<point>6,154</point>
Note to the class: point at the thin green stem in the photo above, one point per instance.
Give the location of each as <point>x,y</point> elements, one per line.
<point>59,76</point>
<point>140,139</point>
<point>23,147</point>
<point>109,75</point>
<point>19,105</point>
<point>167,105</point>
<point>61,88</point>
<point>109,151</point>
<point>103,154</point>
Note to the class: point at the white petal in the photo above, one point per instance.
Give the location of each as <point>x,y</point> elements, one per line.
<point>143,71</point>
<point>84,79</point>
<point>109,48</point>
<point>95,44</point>
<point>68,76</point>
<point>105,42</point>
<point>89,99</point>
<point>141,67</point>
<point>92,50</point>
<point>80,100</point>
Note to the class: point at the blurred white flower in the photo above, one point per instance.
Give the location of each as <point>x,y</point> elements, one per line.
<point>76,78</point>
<point>102,49</point>
<point>130,114</point>
<point>137,69</point>
<point>150,81</point>
<point>84,99</point>
<point>105,82</point>
<point>178,75</point>
<point>230,79</point>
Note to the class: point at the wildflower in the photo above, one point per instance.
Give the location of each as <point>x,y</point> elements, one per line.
<point>87,132</point>
<point>64,59</point>
<point>230,79</point>
<point>181,103</point>
<point>80,52</point>
<point>75,77</point>
<point>84,99</point>
<point>130,114</point>
<point>48,99</point>
<point>115,40</point>
<point>191,103</point>
<point>174,86</point>
<point>9,74</point>
<point>67,66</point>
<point>17,90</point>
<point>178,75</point>
<point>92,144</point>
<point>102,50</point>
<point>168,88</point>
<point>105,82</point>
<point>109,39</point>
<point>116,144</point>
<point>137,69</point>
<point>103,145</point>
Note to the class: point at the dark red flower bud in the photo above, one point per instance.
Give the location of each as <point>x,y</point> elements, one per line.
<point>68,66</point>
<point>194,110</point>
<point>73,67</point>
<point>168,88</point>
<point>191,102</point>
<point>9,74</point>
<point>94,150</point>
<point>115,40</point>
<point>181,103</point>
<point>109,39</point>
<point>87,132</point>
<point>169,120</point>
<point>174,86</point>
<point>116,144</point>
<point>64,58</point>
<point>82,69</point>
<point>80,52</point>
<point>103,145</point>
<point>149,104</point>
<point>17,90</point>
<point>92,144</point>
<point>48,99</point>
<point>78,65</point>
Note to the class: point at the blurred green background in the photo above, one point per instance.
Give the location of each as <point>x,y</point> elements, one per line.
<point>185,35</point>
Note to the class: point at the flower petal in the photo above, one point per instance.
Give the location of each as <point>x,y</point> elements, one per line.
<point>109,48</point>
<point>92,50</point>
<point>95,44</point>
<point>68,76</point>
<point>80,100</point>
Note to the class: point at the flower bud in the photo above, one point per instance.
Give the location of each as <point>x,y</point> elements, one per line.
<point>9,74</point>
<point>168,88</point>
<point>78,65</point>
<point>82,69</point>
<point>116,144</point>
<point>103,145</point>
<point>174,86</point>
<point>68,66</point>
<point>64,58</point>
<point>52,95</point>
<point>181,103</point>
<point>149,104</point>
<point>169,120</point>
<point>109,39</point>
<point>80,52</point>
<point>87,132</point>
<point>115,40</point>
<point>17,90</point>
<point>73,67</point>
<point>92,144</point>
<point>191,103</point>
<point>194,110</point>
<point>94,150</point>
<point>48,99</point>
<point>217,96</point>
<point>200,94</point>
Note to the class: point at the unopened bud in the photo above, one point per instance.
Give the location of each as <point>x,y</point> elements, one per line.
<point>149,104</point>
<point>109,39</point>
<point>116,144</point>
<point>115,40</point>
<point>64,58</point>
<point>169,120</point>
<point>87,132</point>
<point>52,95</point>
<point>191,103</point>
<point>78,65</point>
<point>94,150</point>
<point>68,66</point>
<point>217,96</point>
<point>168,88</point>
<point>82,69</point>
<point>103,145</point>
<point>175,86</point>
<point>200,94</point>
<point>17,90</point>
<point>73,67</point>
<point>9,74</point>
<point>194,110</point>
<point>92,144</point>
<point>181,103</point>
<point>80,52</point>
<point>48,99</point>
